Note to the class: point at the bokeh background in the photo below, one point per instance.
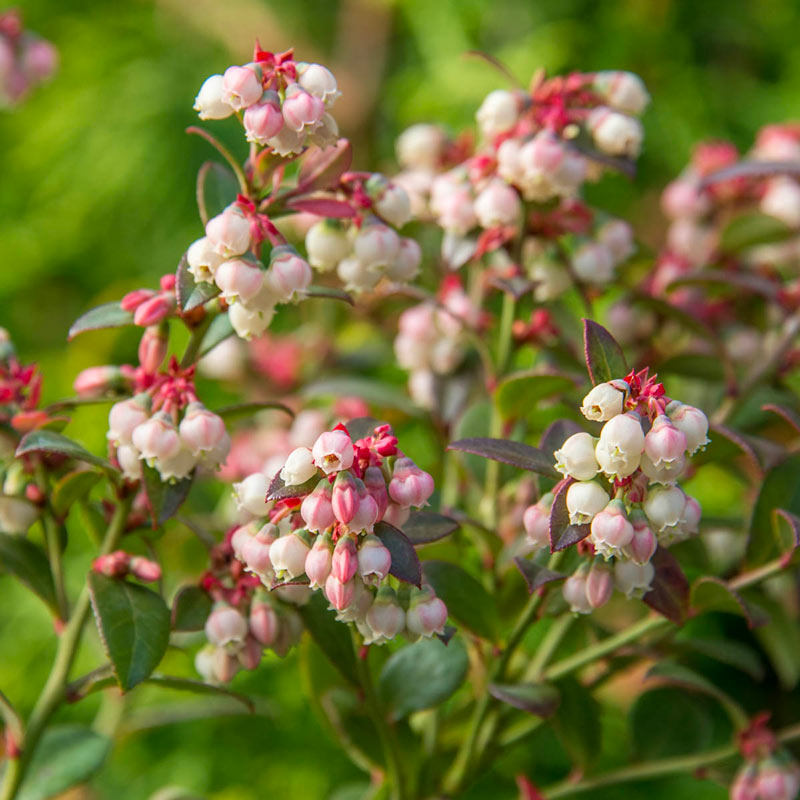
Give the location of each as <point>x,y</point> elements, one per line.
<point>97,197</point>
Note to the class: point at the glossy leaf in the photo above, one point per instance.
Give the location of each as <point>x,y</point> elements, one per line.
<point>217,188</point>
<point>535,575</point>
<point>405,561</point>
<point>66,756</point>
<point>517,454</point>
<point>669,591</point>
<point>134,627</point>
<point>218,331</point>
<point>779,489</point>
<point>373,392</point>
<point>780,640</point>
<point>540,699</point>
<point>72,488</point>
<point>246,410</point>
<point>423,527</point>
<point>465,597</point>
<point>108,315</point>
<point>604,357</point>
<point>190,609</point>
<point>519,393</point>
<point>749,230</point>
<point>24,560</point>
<point>422,675</point>
<point>332,637</point>
<point>278,490</point>
<point>52,442</point>
<point>577,722</point>
<point>198,687</point>
<point>712,594</point>
<point>199,295</point>
<point>563,533</point>
<point>787,529</point>
<point>164,499</point>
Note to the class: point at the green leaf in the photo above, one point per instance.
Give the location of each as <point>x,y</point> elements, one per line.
<point>712,594</point>
<point>199,294</point>
<point>164,498</point>
<point>134,627</point>
<point>780,489</point>
<point>518,394</point>
<point>780,639</point>
<point>109,315</point>
<point>748,230</point>
<point>332,637</point>
<point>190,609</point>
<point>331,292</point>
<point>517,454</point>
<point>373,392</point>
<point>198,687</point>
<point>246,410</point>
<point>405,561</point>
<point>669,591</point>
<point>217,188</point>
<point>422,675</point>
<point>577,722</point>
<point>52,442</point>
<point>21,558</point>
<point>466,599</point>
<point>423,527</point>
<point>604,357</point>
<point>540,699</point>
<point>72,488</point>
<point>218,331</point>
<point>66,756</point>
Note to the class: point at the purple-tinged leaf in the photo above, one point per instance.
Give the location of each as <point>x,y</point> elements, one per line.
<point>739,280</point>
<point>423,527</point>
<point>604,357</point>
<point>190,609</point>
<point>246,410</point>
<point>108,315</point>
<point>669,591</point>
<point>739,440</point>
<point>278,490</point>
<point>322,168</point>
<point>331,292</point>
<point>711,594</point>
<point>516,454</point>
<point>164,499</point>
<point>361,427</point>
<point>563,533</point>
<point>751,169</point>
<point>791,540</point>
<point>557,433</point>
<point>322,207</point>
<point>43,441</point>
<point>536,575</point>
<point>540,699</point>
<point>405,561</point>
<point>184,282</point>
<point>448,633</point>
<point>792,418</point>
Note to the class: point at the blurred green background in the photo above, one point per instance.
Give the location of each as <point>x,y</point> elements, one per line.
<point>98,198</point>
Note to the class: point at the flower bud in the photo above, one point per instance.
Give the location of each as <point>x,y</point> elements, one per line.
<point>690,516</point>
<point>498,113</point>
<point>405,267</point>
<point>229,233</point>
<point>202,259</point>
<point>777,779</point>
<point>643,544</point>
<point>427,613</point>
<point>455,209</point>
<point>396,515</point>
<point>375,485</point>
<point>385,617</point>
<point>585,499</point>
<point>287,142</point>
<point>664,507</point>
<point>154,310</point>
<point>326,244</point>
<point>667,472</point>
<point>263,120</point>
<point>129,463</point>
<point>620,447</point>
<point>605,400</point>
<point>225,625</point>
<point>497,205</point>
<point>611,530</point>
<point>574,591</point>
<point>340,595</point>
<point>249,323</point>
<point>152,349</point>
<point>301,109</point>
<point>345,559</point>
<point>225,665</point>
<point>632,579</point>
<point>178,466</point>
<point>614,133</point>
<point>251,494</point>
<point>97,381</point>
<point>319,561</point>
<point>204,663</point>
<point>288,555</point>
<point>617,236</point>
<point>299,467</point>
<point>317,510</point>
<point>389,200</point>
<point>132,300</point>
<point>210,102</point>
<point>201,430</point>
<point>124,417</point>
<point>599,583</point>
<point>692,422</point>
<point>356,275</point>
<point>112,565</point>
<point>376,245</point>
<point>410,486</point>
<point>288,275</point>
<point>241,87</point>
<point>359,602</point>
<point>318,81</point>
<point>249,654</point>
<point>345,498</point>
<point>684,198</point>
<point>144,569</point>
<point>593,263</point>
<point>623,91</point>
<point>664,443</point>
<point>333,451</point>
<point>782,200</point>
<point>536,521</point>
<point>575,458</point>
<point>420,147</point>
<point>239,280</point>
<point>255,548</point>
<point>374,560</point>
<point>264,623</point>
<point>156,437</point>
<point>39,59</point>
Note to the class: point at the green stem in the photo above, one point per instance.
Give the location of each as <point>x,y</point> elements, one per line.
<point>656,769</point>
<point>52,535</point>
<point>548,646</point>
<point>391,748</point>
<point>52,694</point>
<point>196,340</point>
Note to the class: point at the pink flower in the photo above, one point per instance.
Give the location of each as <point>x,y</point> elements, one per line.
<point>152,311</point>
<point>611,530</point>
<point>339,594</point>
<point>374,560</point>
<point>426,614</point>
<point>345,497</point>
<point>263,120</point>
<point>144,569</point>
<point>264,623</point>
<point>201,430</point>
<point>333,451</point>
<point>410,486</point>
<point>319,562</point>
<point>288,274</point>
<point>229,232</point>
<point>255,551</point>
<point>301,109</point>
<point>385,618</point>
<point>225,625</point>
<point>599,584</point>
<point>241,87</point>
<point>375,485</point>
<point>156,438</point>
<point>288,555</point>
<point>345,559</point>
<point>239,279</point>
<point>317,510</point>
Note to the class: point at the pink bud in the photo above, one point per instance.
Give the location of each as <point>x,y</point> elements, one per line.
<point>367,512</point>
<point>288,274</point>
<point>333,451</point>
<point>574,591</point>
<point>611,530</point>
<point>641,547</point>
<point>317,510</point>
<point>39,59</point>
<point>229,232</point>
<point>319,561</point>
<point>599,583</point>
<point>250,653</point>
<point>396,515</point>
<point>664,442</point>
<point>426,614</point>
<point>201,430</point>
<point>225,625</point>
<point>536,521</point>
<point>152,311</point>
<point>301,109</point>
<point>239,280</point>
<point>498,204</point>
<point>226,665</point>
<point>345,559</point>
<point>374,560</point>
<point>288,555</point>
<point>263,120</point>
<point>112,565</point>
<point>97,381</point>
<point>410,486</point>
<point>376,245</point>
<point>385,617</point>
<point>255,550</point>
<point>264,623</point>
<point>156,438</point>
<point>152,349</point>
<point>375,484</point>
<point>241,87</point>
<point>134,299</point>
<point>339,594</point>
<point>345,497</point>
<point>145,570</point>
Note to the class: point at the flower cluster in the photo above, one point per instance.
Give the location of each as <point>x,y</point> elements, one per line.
<point>642,450</point>
<point>120,564</point>
<point>768,772</point>
<point>321,530</point>
<point>26,60</point>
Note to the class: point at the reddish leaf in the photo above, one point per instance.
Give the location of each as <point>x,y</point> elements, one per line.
<point>562,532</point>
<point>321,169</point>
<point>792,418</point>
<point>322,207</point>
<point>536,575</point>
<point>516,454</point>
<point>669,592</point>
<point>604,357</point>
